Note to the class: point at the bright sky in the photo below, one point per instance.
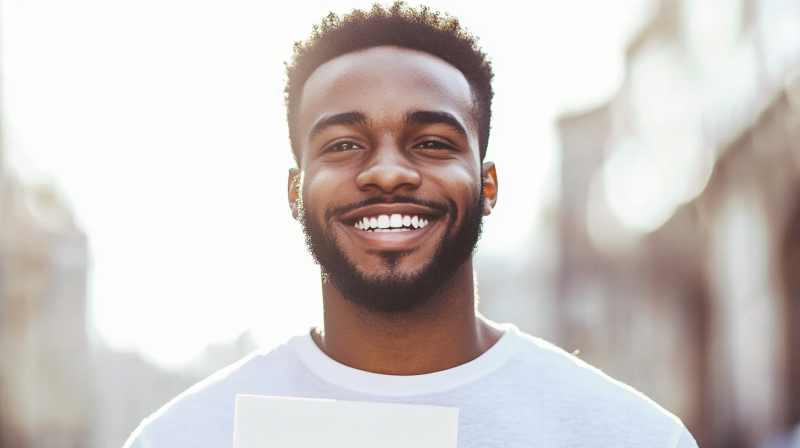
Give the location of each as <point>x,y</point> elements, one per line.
<point>163,123</point>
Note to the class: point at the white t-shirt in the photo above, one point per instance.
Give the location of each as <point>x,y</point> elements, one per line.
<point>523,392</point>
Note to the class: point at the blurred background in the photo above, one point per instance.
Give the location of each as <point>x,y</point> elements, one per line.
<point>649,215</point>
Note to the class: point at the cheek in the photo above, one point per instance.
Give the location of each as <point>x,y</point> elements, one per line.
<point>461,183</point>
<point>462,186</point>
<point>321,187</point>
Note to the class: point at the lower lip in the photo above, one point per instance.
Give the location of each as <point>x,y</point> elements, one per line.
<point>390,240</point>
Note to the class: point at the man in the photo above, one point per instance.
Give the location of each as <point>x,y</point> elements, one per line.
<point>388,115</point>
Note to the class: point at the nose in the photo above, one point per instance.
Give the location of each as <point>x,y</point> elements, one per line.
<point>389,170</point>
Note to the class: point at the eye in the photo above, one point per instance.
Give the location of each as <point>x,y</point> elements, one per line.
<point>342,146</point>
<point>434,144</point>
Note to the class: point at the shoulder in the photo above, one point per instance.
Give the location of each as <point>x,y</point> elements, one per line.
<point>204,412</point>
<point>591,399</point>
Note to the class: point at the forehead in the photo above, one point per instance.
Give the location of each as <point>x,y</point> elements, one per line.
<point>385,83</point>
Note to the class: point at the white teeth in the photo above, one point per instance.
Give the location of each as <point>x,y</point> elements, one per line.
<point>393,223</point>
<point>396,221</point>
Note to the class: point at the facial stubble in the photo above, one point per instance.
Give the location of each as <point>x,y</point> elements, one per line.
<point>394,291</point>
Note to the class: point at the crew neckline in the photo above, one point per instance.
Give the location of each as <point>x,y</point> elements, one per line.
<point>404,385</point>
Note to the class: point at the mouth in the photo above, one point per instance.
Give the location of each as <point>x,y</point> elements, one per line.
<point>391,226</point>
<point>391,223</point>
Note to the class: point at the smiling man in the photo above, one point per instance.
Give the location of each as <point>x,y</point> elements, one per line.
<point>389,115</point>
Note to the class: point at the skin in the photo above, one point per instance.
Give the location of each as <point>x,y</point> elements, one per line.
<point>387,155</point>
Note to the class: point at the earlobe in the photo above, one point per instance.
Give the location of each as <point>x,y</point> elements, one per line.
<point>489,187</point>
<point>294,191</point>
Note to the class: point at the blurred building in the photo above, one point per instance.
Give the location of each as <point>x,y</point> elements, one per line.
<point>45,377</point>
<point>680,220</point>
<point>57,388</point>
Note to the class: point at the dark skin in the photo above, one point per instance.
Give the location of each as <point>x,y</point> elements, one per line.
<point>390,121</point>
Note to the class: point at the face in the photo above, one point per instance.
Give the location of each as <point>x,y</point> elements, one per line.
<point>390,190</point>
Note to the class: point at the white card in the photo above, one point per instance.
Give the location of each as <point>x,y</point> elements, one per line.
<point>280,422</point>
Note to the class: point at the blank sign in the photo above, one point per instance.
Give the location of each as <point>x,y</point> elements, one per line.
<point>280,422</point>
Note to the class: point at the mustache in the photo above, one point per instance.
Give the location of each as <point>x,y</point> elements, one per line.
<point>439,206</point>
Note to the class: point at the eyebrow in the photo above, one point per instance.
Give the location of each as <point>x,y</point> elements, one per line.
<point>426,117</point>
<point>342,119</point>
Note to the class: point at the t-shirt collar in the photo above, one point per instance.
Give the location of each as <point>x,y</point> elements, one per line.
<point>396,385</point>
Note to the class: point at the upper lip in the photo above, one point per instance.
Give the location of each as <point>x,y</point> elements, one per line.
<point>390,209</point>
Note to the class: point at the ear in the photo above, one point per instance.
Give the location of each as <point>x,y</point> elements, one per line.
<point>489,187</point>
<point>294,191</point>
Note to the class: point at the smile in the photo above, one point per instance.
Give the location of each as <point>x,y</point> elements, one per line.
<point>391,223</point>
<point>391,226</point>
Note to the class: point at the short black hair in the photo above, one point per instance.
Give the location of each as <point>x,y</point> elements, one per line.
<point>396,25</point>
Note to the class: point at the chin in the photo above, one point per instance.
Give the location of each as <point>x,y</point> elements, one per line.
<point>389,273</point>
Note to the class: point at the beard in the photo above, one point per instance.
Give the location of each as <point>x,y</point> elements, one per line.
<point>394,291</point>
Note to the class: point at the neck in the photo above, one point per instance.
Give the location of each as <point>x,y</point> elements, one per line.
<point>441,334</point>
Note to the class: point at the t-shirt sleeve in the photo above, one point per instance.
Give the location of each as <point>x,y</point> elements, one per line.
<point>134,442</point>
<point>686,440</point>
<point>136,439</point>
